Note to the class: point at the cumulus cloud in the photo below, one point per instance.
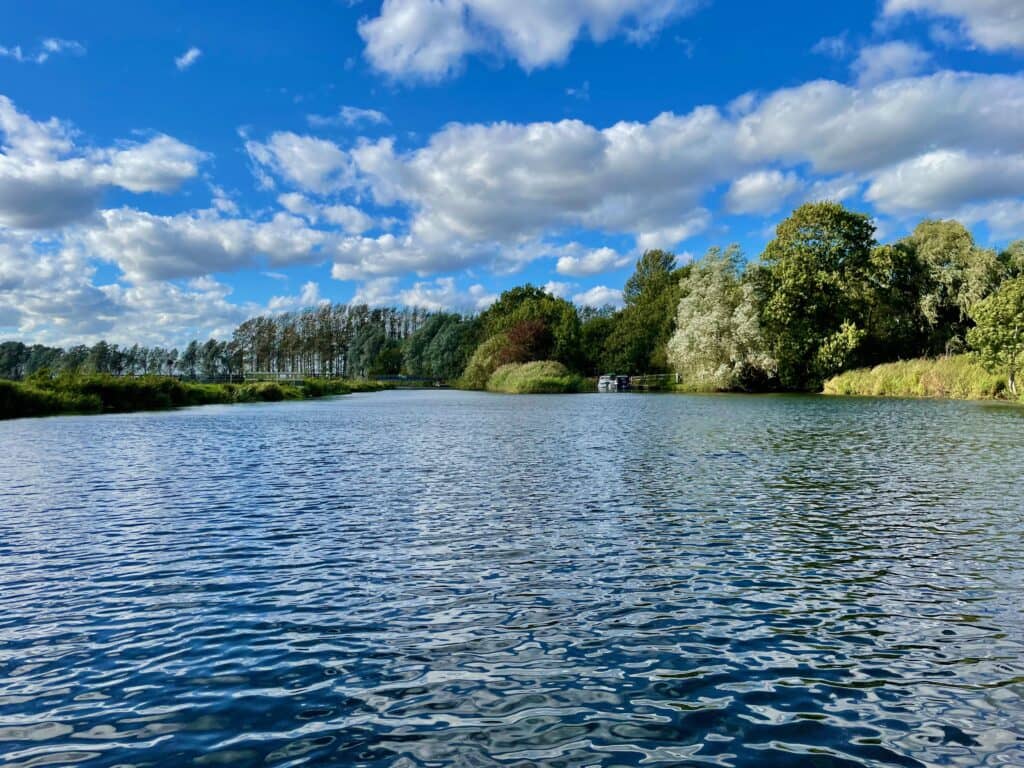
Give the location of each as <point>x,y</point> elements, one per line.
<point>579,262</point>
<point>430,39</point>
<point>46,181</point>
<point>149,247</point>
<point>349,116</point>
<point>557,289</point>
<point>48,294</point>
<point>347,217</point>
<point>888,61</point>
<point>309,296</point>
<point>599,296</point>
<point>761,192</point>
<point>437,295</point>
<point>187,59</point>
<point>995,25</point>
<point>943,180</point>
<point>309,163</point>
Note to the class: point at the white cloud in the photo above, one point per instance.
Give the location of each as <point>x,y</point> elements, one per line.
<point>558,289</point>
<point>348,217</point>
<point>943,180</point>
<point>187,59</point>
<point>349,116</point>
<point>314,165</point>
<point>430,39</point>
<point>599,296</point>
<point>889,61</point>
<point>761,192</point>
<point>995,25</point>
<point>578,262</point>
<point>835,47</point>
<point>437,295</point>
<point>148,247</point>
<point>48,47</point>
<point>45,181</point>
<point>309,296</point>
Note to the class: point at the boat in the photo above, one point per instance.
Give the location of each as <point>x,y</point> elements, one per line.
<point>609,382</point>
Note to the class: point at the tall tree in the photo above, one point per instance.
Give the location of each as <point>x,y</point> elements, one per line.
<point>814,286</point>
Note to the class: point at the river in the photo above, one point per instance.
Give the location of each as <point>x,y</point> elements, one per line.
<point>460,579</point>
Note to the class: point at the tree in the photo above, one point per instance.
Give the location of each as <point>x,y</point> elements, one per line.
<point>529,303</point>
<point>958,274</point>
<point>998,334</point>
<point>718,343</point>
<point>814,286</point>
<point>638,342</point>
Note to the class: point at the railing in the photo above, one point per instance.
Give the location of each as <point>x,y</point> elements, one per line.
<point>653,380</point>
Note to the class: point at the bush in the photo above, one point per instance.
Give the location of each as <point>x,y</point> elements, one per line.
<point>18,399</point>
<point>485,361</point>
<point>960,377</point>
<point>541,377</point>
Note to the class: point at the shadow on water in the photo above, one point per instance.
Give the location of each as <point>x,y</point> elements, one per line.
<point>449,578</point>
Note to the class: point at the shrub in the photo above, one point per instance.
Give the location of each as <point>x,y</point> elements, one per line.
<point>960,377</point>
<point>541,377</point>
<point>484,362</point>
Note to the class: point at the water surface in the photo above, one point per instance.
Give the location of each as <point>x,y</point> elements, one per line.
<point>459,579</point>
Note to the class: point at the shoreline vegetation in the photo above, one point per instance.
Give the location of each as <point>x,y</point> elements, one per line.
<point>104,393</point>
<point>958,377</point>
<point>825,308</point>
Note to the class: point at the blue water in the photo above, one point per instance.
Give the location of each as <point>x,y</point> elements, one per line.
<point>459,579</point>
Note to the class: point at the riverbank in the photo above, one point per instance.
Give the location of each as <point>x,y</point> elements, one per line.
<point>113,394</point>
<point>959,377</point>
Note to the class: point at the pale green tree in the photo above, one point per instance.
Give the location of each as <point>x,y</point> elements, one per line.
<point>717,343</point>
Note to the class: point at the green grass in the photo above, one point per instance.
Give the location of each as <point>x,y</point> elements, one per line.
<point>542,377</point>
<point>113,394</point>
<point>959,377</point>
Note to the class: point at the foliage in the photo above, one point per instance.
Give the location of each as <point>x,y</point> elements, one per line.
<point>552,324</point>
<point>537,377</point>
<point>638,341</point>
<point>959,377</point>
<point>998,336</point>
<point>717,344</point>
<point>441,347</point>
<point>814,285</point>
<point>957,275</point>
<point>487,358</point>
<point>96,393</point>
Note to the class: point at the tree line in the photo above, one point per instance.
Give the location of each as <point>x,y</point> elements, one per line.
<point>822,297</point>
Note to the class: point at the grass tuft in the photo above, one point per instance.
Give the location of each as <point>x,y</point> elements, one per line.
<point>960,377</point>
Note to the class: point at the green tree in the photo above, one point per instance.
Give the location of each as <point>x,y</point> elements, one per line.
<point>639,339</point>
<point>529,303</point>
<point>718,343</point>
<point>998,334</point>
<point>958,274</point>
<point>814,285</point>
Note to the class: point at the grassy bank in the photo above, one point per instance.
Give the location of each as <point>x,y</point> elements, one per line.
<point>112,394</point>
<point>539,378</point>
<point>959,377</point>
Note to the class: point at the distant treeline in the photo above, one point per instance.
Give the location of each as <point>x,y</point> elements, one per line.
<point>822,298</point>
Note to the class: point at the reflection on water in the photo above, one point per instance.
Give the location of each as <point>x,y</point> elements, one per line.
<point>445,578</point>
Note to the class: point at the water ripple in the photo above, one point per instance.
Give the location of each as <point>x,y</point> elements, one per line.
<point>444,578</point>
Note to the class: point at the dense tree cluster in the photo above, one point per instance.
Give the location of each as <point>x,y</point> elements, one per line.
<point>823,296</point>
<point>829,297</point>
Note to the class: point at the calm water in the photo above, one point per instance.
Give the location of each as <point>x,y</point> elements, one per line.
<point>446,578</point>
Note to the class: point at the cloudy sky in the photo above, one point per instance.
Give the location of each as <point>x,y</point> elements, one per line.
<point>167,170</point>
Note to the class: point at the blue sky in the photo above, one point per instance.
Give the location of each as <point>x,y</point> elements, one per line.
<point>168,169</point>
